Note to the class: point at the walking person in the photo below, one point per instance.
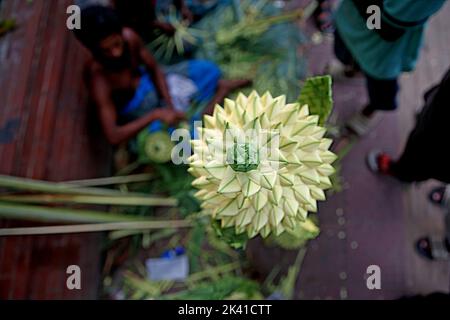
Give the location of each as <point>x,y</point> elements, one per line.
<point>425,157</point>
<point>381,54</point>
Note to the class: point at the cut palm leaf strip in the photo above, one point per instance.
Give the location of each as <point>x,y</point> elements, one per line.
<point>144,177</point>
<point>214,271</point>
<point>54,187</point>
<point>287,284</point>
<point>96,227</point>
<point>38,213</point>
<point>87,199</point>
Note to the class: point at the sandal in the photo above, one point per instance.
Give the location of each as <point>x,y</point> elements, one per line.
<point>379,162</point>
<point>323,17</point>
<point>433,249</point>
<point>339,71</point>
<point>360,125</point>
<point>440,196</point>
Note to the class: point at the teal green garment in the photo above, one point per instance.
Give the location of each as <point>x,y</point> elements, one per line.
<point>377,57</point>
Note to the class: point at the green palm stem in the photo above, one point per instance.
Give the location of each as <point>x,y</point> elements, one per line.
<point>88,199</point>
<point>209,272</point>
<point>28,185</point>
<point>144,177</point>
<point>96,227</point>
<point>64,215</point>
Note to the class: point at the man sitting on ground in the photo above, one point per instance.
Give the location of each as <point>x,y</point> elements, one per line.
<point>130,89</point>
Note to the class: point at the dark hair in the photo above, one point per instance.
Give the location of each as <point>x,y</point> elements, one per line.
<point>97,23</point>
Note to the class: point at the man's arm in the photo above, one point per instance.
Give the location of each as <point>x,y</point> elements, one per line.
<point>168,28</point>
<point>108,116</point>
<point>152,66</point>
<point>165,27</point>
<point>183,8</point>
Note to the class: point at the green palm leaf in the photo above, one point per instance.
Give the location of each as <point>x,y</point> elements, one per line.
<point>317,94</point>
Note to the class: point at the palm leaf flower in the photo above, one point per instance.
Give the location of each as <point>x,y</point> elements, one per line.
<point>158,147</point>
<point>261,164</point>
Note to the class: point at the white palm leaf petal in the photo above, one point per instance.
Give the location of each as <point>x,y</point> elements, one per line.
<point>261,165</point>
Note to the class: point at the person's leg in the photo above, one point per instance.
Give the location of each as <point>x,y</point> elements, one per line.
<point>425,155</point>
<point>412,166</point>
<point>342,53</point>
<point>382,96</point>
<point>323,16</point>
<point>343,65</point>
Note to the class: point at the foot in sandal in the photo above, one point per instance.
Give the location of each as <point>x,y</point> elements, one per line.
<point>339,71</point>
<point>323,16</point>
<point>440,196</point>
<point>362,122</point>
<point>433,249</point>
<point>380,162</point>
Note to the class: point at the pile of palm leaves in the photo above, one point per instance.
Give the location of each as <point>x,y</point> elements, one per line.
<point>258,41</point>
<point>247,39</point>
<point>217,273</point>
<point>71,202</point>
<point>216,270</point>
<point>165,46</point>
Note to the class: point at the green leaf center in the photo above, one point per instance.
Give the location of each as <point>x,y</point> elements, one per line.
<point>243,157</point>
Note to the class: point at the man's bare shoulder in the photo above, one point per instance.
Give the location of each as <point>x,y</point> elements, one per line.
<point>94,69</point>
<point>132,37</point>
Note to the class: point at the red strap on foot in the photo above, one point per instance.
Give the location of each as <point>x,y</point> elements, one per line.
<point>384,163</point>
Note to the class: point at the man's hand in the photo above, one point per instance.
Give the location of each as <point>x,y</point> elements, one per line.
<point>169,116</point>
<point>167,28</point>
<point>169,104</point>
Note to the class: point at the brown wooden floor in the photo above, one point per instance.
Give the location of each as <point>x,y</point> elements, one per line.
<point>46,132</point>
